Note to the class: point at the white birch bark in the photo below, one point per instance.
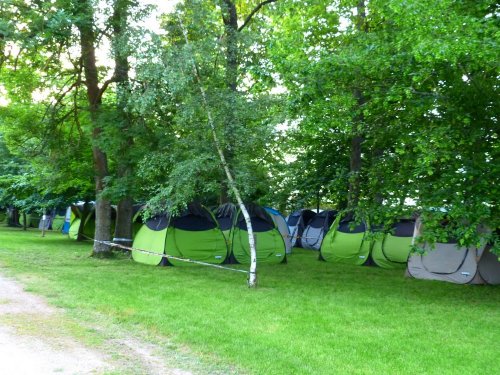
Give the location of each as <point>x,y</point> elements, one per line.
<point>252,279</point>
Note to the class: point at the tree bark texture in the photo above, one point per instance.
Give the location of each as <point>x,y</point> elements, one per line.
<point>358,137</point>
<point>123,229</point>
<point>230,20</point>
<point>125,167</point>
<point>103,206</point>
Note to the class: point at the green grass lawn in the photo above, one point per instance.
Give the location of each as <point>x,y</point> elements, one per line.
<point>306,317</point>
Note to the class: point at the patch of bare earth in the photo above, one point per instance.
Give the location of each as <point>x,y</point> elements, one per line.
<point>35,339</point>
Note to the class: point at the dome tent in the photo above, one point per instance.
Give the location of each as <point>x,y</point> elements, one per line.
<point>347,241</point>
<point>317,228</point>
<point>67,221</point>
<point>269,243</point>
<point>225,215</point>
<point>489,267</point>
<point>58,219</point>
<point>297,223</point>
<point>151,237</point>
<point>136,218</point>
<point>75,221</point>
<point>77,216</point>
<point>194,234</point>
<point>448,261</point>
<point>393,249</point>
<point>45,224</point>
<point>280,222</point>
<point>32,220</point>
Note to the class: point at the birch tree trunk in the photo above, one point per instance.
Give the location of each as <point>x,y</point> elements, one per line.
<point>252,279</point>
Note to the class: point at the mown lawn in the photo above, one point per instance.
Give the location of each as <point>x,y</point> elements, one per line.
<point>306,317</point>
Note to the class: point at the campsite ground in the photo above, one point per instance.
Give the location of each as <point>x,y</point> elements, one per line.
<point>306,317</point>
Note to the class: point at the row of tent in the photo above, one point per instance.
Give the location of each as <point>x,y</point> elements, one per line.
<point>77,216</point>
<point>55,219</point>
<point>342,239</point>
<point>221,236</point>
<point>201,235</point>
<point>198,235</point>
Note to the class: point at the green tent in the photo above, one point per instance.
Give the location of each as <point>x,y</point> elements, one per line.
<point>151,237</point>
<point>136,218</point>
<point>269,242</point>
<point>57,222</point>
<point>194,234</point>
<point>393,249</point>
<point>76,219</point>
<point>225,215</point>
<point>347,242</point>
<point>58,219</point>
<point>73,228</point>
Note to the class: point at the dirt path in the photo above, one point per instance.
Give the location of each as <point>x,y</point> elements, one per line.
<point>31,341</point>
<point>37,339</point>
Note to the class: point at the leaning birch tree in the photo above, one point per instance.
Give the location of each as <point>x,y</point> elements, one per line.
<point>233,26</point>
<point>252,279</point>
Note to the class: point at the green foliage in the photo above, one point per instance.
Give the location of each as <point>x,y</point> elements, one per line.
<point>429,87</point>
<point>416,81</point>
<point>170,97</point>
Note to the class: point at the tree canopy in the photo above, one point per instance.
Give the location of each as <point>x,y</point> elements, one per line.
<point>385,108</point>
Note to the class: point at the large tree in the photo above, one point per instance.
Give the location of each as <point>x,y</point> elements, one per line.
<point>57,62</point>
<point>398,103</point>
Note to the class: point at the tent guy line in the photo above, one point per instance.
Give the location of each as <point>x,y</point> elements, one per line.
<point>109,243</point>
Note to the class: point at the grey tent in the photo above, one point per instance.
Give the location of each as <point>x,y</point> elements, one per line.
<point>448,261</point>
<point>317,228</point>
<point>297,223</point>
<point>45,224</point>
<point>489,267</point>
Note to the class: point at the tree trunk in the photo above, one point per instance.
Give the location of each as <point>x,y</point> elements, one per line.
<point>355,170</point>
<point>224,193</point>
<point>230,19</point>
<point>357,138</point>
<point>103,206</point>
<point>125,167</point>
<point>318,200</point>
<point>123,229</point>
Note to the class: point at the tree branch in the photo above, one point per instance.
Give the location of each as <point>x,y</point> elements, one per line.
<point>105,86</point>
<point>252,13</point>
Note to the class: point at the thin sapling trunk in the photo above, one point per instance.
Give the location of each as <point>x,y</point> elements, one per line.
<point>252,279</point>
